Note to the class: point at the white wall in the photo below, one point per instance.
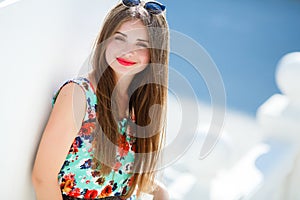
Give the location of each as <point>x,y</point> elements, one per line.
<point>42,43</point>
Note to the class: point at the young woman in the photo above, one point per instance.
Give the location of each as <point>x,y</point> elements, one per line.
<point>106,130</point>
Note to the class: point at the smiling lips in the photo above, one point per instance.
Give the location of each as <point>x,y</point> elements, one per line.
<point>125,62</point>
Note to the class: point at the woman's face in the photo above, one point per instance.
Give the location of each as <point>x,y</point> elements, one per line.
<point>127,51</point>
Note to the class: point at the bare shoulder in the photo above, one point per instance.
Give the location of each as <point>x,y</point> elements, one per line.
<point>67,115</point>
<point>70,106</point>
<point>63,124</point>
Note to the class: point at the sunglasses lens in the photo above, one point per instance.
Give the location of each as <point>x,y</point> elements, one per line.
<point>154,7</point>
<point>131,3</point>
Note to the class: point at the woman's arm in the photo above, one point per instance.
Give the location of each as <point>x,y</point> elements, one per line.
<point>63,125</point>
<point>160,192</point>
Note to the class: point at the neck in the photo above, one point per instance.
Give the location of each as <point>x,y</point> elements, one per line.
<point>122,85</point>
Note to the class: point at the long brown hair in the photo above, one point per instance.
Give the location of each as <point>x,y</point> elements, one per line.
<point>151,91</point>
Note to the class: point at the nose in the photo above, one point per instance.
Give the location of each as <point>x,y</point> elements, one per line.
<point>129,49</point>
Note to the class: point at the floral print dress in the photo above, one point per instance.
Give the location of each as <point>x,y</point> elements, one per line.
<point>76,177</point>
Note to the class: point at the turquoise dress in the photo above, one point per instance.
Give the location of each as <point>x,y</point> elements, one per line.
<point>76,177</point>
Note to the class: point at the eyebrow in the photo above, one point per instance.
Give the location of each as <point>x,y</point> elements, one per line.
<point>141,40</point>
<point>121,33</point>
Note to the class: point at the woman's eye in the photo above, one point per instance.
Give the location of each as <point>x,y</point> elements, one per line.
<point>143,45</point>
<point>119,38</point>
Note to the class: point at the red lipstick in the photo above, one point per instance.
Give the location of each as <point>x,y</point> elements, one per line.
<point>125,62</point>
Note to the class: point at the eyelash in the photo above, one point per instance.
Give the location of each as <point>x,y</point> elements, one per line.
<point>142,45</point>
<point>119,38</point>
<point>138,44</point>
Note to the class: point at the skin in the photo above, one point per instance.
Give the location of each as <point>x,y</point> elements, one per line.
<point>63,125</point>
<point>129,43</point>
<point>160,193</point>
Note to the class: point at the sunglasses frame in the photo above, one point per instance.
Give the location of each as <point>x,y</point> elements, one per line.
<point>151,6</point>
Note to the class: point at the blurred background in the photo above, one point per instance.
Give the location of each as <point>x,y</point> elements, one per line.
<point>245,40</point>
<point>43,43</point>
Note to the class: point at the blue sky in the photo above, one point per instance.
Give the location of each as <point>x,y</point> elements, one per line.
<point>246,39</point>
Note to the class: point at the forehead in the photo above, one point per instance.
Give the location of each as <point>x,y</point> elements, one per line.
<point>134,27</point>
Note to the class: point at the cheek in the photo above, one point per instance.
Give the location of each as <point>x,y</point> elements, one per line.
<point>145,56</point>
<point>107,56</point>
<point>110,53</point>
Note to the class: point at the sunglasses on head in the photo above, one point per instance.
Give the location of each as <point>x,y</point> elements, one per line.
<point>152,7</point>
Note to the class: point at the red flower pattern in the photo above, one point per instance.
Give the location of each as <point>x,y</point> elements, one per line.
<point>91,194</point>
<point>74,193</point>
<point>123,146</point>
<point>106,191</point>
<point>87,128</point>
